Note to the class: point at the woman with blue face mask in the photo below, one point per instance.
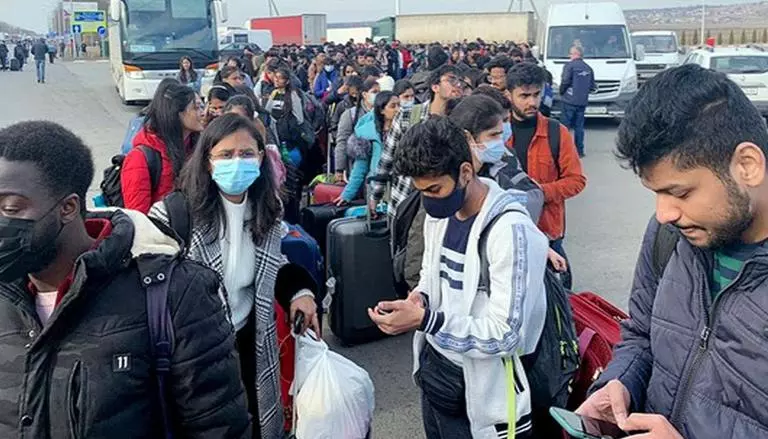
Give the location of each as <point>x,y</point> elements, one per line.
<point>482,119</point>
<point>237,232</point>
<point>404,90</point>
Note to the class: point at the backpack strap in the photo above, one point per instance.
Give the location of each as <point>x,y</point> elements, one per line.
<point>553,132</point>
<point>485,269</point>
<point>664,244</point>
<point>155,165</point>
<point>416,113</point>
<point>161,334</point>
<point>179,216</point>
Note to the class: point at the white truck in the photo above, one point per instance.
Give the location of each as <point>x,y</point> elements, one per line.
<point>662,51</point>
<point>601,30</point>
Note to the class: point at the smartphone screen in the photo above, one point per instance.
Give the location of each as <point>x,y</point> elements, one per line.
<point>593,428</point>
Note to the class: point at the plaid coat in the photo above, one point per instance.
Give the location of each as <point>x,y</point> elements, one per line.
<point>205,247</point>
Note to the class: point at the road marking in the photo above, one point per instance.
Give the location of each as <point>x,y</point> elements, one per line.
<point>85,61</point>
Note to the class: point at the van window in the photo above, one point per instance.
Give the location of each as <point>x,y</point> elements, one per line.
<point>597,41</point>
<point>656,43</point>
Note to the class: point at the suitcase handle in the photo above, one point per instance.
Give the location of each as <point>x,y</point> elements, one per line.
<point>368,215</point>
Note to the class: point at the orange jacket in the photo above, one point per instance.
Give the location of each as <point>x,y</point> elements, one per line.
<point>557,188</point>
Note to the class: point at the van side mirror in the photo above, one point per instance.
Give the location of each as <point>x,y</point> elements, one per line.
<point>681,51</point>
<point>639,52</point>
<point>114,10</point>
<point>222,10</point>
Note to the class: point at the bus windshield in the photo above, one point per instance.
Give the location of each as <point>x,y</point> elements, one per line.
<point>656,43</point>
<point>168,25</point>
<point>608,41</point>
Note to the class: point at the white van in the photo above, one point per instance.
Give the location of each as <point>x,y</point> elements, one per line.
<point>662,51</point>
<point>601,30</point>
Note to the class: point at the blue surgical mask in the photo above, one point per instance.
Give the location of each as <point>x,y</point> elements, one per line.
<point>507,131</point>
<point>447,206</point>
<point>328,68</point>
<point>407,104</point>
<point>493,152</point>
<point>235,176</point>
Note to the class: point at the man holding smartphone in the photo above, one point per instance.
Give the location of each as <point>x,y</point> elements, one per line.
<point>693,360</point>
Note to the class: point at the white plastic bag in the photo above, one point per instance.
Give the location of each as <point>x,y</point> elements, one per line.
<point>333,396</point>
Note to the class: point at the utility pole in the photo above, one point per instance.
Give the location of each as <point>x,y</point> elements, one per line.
<point>703,22</point>
<point>397,8</point>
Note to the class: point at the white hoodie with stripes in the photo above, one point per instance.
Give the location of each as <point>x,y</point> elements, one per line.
<point>486,328</point>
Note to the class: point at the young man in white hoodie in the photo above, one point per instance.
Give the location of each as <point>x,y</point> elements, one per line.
<point>471,332</point>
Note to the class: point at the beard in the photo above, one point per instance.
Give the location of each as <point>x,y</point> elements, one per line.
<point>521,114</point>
<point>738,219</point>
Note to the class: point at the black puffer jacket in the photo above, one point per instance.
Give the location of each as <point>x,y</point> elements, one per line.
<point>64,380</point>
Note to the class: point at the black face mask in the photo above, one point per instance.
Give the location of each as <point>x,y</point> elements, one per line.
<point>22,251</point>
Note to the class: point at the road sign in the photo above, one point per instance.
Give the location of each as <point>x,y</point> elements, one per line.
<point>102,31</point>
<point>76,29</point>
<point>89,21</point>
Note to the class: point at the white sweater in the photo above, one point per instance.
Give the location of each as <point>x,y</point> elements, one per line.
<point>238,257</point>
<point>487,328</point>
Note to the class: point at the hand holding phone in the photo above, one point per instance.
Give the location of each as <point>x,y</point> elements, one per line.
<point>584,427</point>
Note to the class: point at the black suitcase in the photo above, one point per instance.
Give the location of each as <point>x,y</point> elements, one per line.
<point>15,65</point>
<point>360,276</point>
<point>315,220</point>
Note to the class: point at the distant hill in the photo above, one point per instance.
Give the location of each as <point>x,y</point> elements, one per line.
<point>13,30</point>
<point>731,16</point>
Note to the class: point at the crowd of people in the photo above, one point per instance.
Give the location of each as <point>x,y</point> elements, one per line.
<point>464,130</point>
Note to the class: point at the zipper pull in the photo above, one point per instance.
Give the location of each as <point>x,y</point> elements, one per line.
<point>704,337</point>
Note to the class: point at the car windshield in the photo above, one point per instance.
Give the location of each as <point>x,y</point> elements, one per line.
<point>740,64</point>
<point>597,41</point>
<point>167,25</point>
<point>656,43</point>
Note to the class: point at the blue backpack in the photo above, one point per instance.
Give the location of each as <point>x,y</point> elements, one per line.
<point>133,128</point>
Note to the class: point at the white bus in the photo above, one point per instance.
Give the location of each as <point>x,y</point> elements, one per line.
<point>147,39</point>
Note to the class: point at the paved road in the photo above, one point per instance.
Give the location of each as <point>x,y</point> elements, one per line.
<point>605,222</point>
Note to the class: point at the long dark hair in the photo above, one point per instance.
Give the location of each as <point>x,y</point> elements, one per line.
<point>183,73</point>
<point>368,84</point>
<point>379,104</point>
<point>477,113</point>
<point>159,91</point>
<point>163,120</point>
<point>203,194</point>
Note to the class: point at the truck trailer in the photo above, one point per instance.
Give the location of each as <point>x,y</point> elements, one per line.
<point>302,30</point>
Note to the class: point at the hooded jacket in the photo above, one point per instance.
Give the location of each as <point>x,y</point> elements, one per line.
<point>700,363</point>
<point>364,164</point>
<point>138,193</point>
<point>63,379</point>
<point>501,324</point>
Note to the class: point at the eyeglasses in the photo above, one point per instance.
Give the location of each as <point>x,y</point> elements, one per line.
<point>243,154</point>
<point>455,82</point>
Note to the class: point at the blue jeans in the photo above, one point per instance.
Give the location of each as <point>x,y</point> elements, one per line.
<point>573,118</point>
<point>40,64</point>
<point>567,277</point>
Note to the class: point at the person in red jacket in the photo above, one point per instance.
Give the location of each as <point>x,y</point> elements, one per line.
<point>174,120</point>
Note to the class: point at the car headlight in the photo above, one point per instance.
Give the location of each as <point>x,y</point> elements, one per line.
<point>630,85</point>
<point>135,75</point>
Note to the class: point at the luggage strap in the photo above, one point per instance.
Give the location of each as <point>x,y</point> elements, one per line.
<point>160,335</point>
<point>664,244</point>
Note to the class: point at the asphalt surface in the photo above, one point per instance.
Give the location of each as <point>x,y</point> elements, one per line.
<point>605,222</point>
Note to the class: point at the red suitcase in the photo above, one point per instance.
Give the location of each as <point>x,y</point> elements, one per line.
<point>597,324</point>
<point>287,348</point>
<point>325,193</point>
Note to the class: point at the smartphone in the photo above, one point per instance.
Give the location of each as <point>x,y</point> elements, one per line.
<point>583,427</point>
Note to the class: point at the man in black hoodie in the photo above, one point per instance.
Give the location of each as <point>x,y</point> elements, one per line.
<point>76,300</point>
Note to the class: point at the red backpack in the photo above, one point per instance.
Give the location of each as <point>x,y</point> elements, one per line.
<point>597,323</point>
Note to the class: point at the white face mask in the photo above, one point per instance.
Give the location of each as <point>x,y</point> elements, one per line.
<point>407,104</point>
<point>371,98</point>
<point>328,68</point>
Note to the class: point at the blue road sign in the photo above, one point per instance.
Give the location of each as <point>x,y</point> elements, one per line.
<point>102,31</point>
<point>76,29</point>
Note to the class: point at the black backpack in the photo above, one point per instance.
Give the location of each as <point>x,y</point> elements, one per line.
<point>110,185</point>
<point>406,212</point>
<point>664,244</point>
<point>551,368</point>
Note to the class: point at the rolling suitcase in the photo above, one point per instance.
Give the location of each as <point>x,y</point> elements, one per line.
<point>15,65</point>
<point>359,276</point>
<point>315,220</point>
<point>302,249</point>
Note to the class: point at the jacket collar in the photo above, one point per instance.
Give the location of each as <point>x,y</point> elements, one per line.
<point>542,127</point>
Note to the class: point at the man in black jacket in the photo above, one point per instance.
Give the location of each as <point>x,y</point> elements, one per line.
<point>75,352</point>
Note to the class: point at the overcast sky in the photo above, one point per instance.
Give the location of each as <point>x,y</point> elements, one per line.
<point>33,14</point>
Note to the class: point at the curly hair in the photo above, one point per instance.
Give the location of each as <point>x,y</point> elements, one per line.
<point>432,148</point>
